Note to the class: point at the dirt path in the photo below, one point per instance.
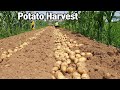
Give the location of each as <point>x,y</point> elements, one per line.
<point>34,57</point>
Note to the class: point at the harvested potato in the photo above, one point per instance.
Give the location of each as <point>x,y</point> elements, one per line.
<point>71,40</point>
<point>72,57</point>
<point>77,55</point>
<point>85,76</point>
<point>21,46</point>
<point>4,52</point>
<point>82,53</point>
<point>82,70</point>
<point>58,47</point>
<point>3,56</point>
<point>89,54</point>
<point>70,69</point>
<point>10,51</point>
<point>53,77</point>
<point>68,61</point>
<point>55,68</point>
<point>81,64</point>
<point>74,42</point>
<point>76,45</point>
<point>8,55</point>
<point>82,59</point>
<point>76,75</point>
<point>15,50</point>
<point>63,68</point>
<point>77,51</point>
<point>72,53</point>
<point>80,45</point>
<point>57,64</point>
<point>64,64</point>
<point>75,60</point>
<point>59,75</point>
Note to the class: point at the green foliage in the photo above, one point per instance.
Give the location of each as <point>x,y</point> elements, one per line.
<point>10,25</point>
<point>93,24</point>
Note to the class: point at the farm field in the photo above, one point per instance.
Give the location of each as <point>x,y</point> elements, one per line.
<point>69,51</point>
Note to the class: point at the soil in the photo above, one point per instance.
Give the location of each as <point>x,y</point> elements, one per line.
<point>36,60</point>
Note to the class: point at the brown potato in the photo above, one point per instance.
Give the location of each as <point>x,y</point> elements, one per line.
<point>81,64</point>
<point>77,55</point>
<point>59,75</point>
<point>77,51</point>
<point>55,68</point>
<point>57,64</point>
<point>89,54</point>
<point>85,76</point>
<point>82,70</point>
<point>82,53</point>
<point>76,75</point>
<point>64,64</point>
<point>10,51</point>
<point>74,42</point>
<point>72,57</point>
<point>75,60</point>
<point>70,69</point>
<point>3,56</point>
<point>63,68</point>
<point>82,59</point>
<point>68,61</point>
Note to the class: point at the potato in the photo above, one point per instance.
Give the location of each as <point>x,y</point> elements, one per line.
<point>80,45</point>
<point>55,68</point>
<point>72,53</point>
<point>71,40</point>
<point>82,70</point>
<point>4,52</point>
<point>21,46</point>
<point>81,64</point>
<point>16,47</point>
<point>85,76</point>
<point>82,59</point>
<point>63,68</point>
<point>89,54</point>
<point>75,60</point>
<point>10,51</point>
<point>77,55</point>
<point>68,61</point>
<point>3,56</point>
<point>82,53</point>
<point>72,57</point>
<point>77,51</point>
<point>70,69</point>
<point>64,64</point>
<point>59,75</point>
<point>58,47</point>
<point>66,55</point>
<point>76,75</point>
<point>56,56</point>
<point>15,50</point>
<point>57,64</point>
<point>9,55</point>
<point>53,77</point>
<point>74,42</point>
<point>76,45</point>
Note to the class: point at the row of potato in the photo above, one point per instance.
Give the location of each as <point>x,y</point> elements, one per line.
<point>68,61</point>
<point>9,52</point>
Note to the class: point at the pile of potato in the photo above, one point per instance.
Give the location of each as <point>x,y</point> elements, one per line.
<point>68,61</point>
